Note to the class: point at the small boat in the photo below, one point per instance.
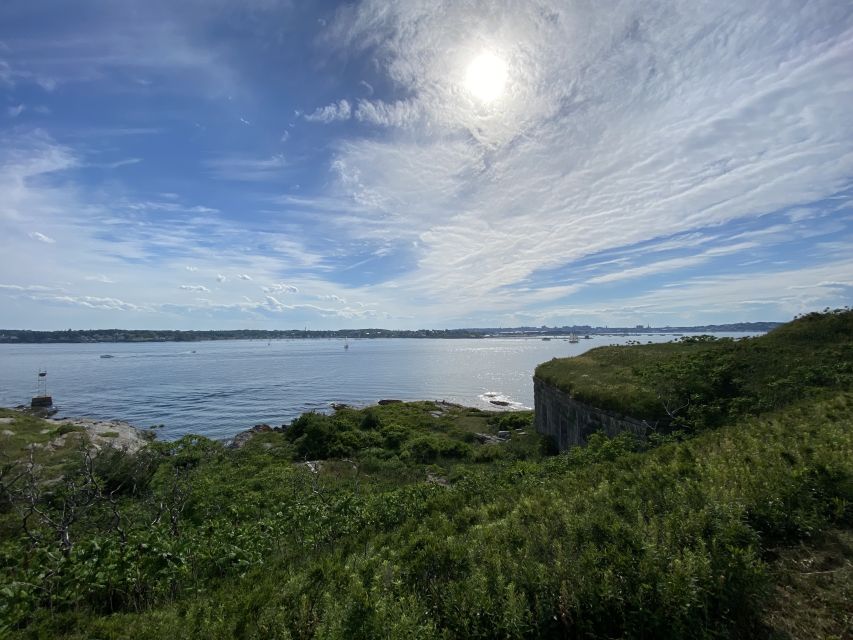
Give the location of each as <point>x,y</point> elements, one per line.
<point>573,339</point>
<point>346,343</point>
<point>107,355</point>
<point>546,339</point>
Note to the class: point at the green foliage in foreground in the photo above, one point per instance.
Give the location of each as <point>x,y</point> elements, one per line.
<point>607,540</point>
<point>404,525</point>
<point>703,381</point>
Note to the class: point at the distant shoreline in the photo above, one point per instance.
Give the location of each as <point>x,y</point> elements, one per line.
<point>25,336</point>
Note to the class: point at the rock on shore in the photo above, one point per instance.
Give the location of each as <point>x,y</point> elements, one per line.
<point>240,440</point>
<point>108,433</point>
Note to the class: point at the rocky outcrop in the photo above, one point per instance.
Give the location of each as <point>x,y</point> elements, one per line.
<point>103,433</point>
<point>240,440</point>
<point>487,438</point>
<point>571,423</point>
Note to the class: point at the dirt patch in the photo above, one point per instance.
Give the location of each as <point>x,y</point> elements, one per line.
<point>813,593</point>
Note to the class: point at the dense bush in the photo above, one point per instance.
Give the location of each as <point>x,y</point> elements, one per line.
<point>512,420</point>
<point>430,448</point>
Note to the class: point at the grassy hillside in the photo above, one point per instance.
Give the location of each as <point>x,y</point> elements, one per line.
<point>703,381</point>
<point>410,527</point>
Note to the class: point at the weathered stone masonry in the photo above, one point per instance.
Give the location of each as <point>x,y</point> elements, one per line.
<point>571,422</point>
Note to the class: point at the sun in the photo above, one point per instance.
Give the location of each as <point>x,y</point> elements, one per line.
<point>486,77</point>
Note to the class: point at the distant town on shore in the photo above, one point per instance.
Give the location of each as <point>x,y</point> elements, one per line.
<point>25,336</point>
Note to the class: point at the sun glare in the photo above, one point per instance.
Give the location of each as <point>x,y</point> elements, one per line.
<point>486,77</point>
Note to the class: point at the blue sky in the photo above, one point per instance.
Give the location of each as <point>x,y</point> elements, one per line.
<point>266,164</point>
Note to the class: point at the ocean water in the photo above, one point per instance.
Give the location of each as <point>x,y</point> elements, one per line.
<point>217,389</point>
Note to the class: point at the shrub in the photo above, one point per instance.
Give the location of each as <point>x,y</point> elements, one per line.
<point>69,428</point>
<point>124,473</point>
<point>371,419</point>
<point>394,435</point>
<point>430,448</point>
<point>512,420</point>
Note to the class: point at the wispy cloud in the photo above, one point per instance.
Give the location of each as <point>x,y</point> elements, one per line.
<point>34,288</point>
<point>100,278</point>
<point>246,169</point>
<point>122,163</point>
<point>117,48</point>
<point>281,288</point>
<point>35,235</point>
<point>6,74</point>
<point>670,265</point>
<point>402,113</point>
<point>94,302</point>
<point>335,112</point>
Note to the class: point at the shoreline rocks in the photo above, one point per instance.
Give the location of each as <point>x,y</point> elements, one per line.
<point>116,434</point>
<point>240,440</point>
<point>107,433</point>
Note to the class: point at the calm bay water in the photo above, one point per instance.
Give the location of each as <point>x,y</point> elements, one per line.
<point>220,388</point>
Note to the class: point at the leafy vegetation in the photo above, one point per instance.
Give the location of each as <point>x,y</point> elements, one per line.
<point>403,521</point>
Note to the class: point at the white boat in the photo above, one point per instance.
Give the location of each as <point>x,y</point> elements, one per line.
<point>107,355</point>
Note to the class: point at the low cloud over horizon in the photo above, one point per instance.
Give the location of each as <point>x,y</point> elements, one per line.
<point>342,166</point>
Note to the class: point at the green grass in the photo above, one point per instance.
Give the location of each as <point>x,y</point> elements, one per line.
<point>69,428</point>
<point>677,541</point>
<point>607,377</point>
<point>29,430</point>
<point>707,381</point>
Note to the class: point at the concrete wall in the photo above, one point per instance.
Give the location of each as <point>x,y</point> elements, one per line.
<point>571,422</point>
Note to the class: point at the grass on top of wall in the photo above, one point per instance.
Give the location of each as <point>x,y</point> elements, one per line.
<point>705,381</point>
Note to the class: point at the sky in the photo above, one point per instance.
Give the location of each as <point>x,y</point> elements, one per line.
<point>202,164</point>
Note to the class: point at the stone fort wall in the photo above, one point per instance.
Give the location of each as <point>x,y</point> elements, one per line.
<point>571,422</point>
